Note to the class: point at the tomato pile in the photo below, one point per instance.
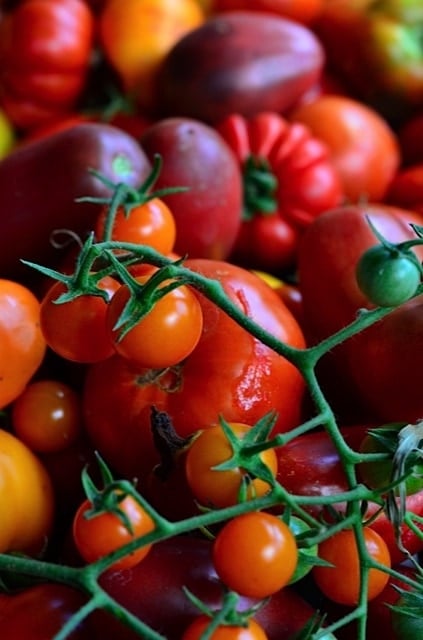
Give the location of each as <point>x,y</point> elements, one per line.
<point>211,319</point>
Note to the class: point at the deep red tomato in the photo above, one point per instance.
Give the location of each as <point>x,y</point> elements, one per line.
<point>39,612</point>
<point>303,11</point>
<point>165,336</point>
<point>255,554</point>
<point>363,147</point>
<point>195,156</point>
<point>406,188</point>
<point>250,631</point>
<point>215,488</point>
<point>105,532</point>
<point>341,582</point>
<point>229,373</point>
<point>76,330</point>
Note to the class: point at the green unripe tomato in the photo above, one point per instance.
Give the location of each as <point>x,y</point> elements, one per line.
<point>387,277</point>
<point>405,626</point>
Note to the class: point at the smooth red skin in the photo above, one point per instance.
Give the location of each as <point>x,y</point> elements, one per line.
<point>45,56</point>
<point>39,612</point>
<point>386,385</point>
<point>302,11</point>
<point>186,561</point>
<point>208,214</point>
<point>238,62</point>
<point>229,373</point>
<point>410,138</point>
<point>406,188</point>
<point>40,183</point>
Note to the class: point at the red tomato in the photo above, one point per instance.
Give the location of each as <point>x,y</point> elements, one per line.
<point>39,612</point>
<point>165,336</point>
<point>47,416</point>
<point>195,156</point>
<point>406,189</point>
<point>249,631</point>
<point>363,147</point>
<point>76,330</point>
<point>22,343</point>
<point>341,582</point>
<point>215,488</point>
<point>97,535</point>
<point>45,56</point>
<point>410,137</point>
<point>255,554</point>
<point>229,373</point>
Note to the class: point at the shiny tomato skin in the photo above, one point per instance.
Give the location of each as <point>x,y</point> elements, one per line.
<point>221,488</point>
<point>22,346</point>
<point>250,631</point>
<point>208,214</point>
<point>97,536</point>
<point>229,373</point>
<point>39,612</point>
<point>341,581</point>
<point>364,148</point>
<point>76,330</point>
<point>186,561</point>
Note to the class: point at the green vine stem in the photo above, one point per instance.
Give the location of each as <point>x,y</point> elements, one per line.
<point>115,258</point>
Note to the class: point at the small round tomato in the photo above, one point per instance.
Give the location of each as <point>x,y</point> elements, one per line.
<point>150,223</point>
<point>341,582</point>
<point>255,554</point>
<point>212,487</point>
<point>26,498</point>
<point>76,330</point>
<point>97,535</point>
<point>249,631</point>
<point>363,147</point>
<point>47,416</point>
<point>166,335</point>
<point>22,344</point>
<point>387,277</point>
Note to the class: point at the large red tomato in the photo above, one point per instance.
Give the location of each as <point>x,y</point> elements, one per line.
<point>379,367</point>
<point>230,373</point>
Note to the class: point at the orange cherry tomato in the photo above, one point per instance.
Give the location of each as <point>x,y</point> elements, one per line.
<point>215,488</point>
<point>341,582</point>
<point>26,498</point>
<point>250,631</point>
<point>22,344</point>
<point>47,416</point>
<point>255,554</point>
<point>101,534</point>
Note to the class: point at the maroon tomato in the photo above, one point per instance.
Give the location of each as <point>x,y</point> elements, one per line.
<point>229,373</point>
<point>195,156</point>
<point>186,561</point>
<point>406,188</point>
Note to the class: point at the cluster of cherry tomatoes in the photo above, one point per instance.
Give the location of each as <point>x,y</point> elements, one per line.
<point>210,391</point>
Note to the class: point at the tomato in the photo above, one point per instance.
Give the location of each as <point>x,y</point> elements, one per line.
<point>208,214</point>
<point>215,488</point>
<point>39,612</point>
<point>341,582</point>
<point>98,534</point>
<point>385,386</point>
<point>45,56</point>
<point>22,344</point>
<point>26,498</point>
<point>406,618</point>
<point>150,223</point>
<point>166,335</point>
<point>229,373</point>
<point>406,188</point>
<point>136,36</point>
<point>410,137</point>
<point>387,277</point>
<point>186,561</point>
<point>76,329</point>
<point>251,630</point>
<point>364,149</point>
<point>47,416</point>
<point>303,11</point>
<point>255,554</point>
